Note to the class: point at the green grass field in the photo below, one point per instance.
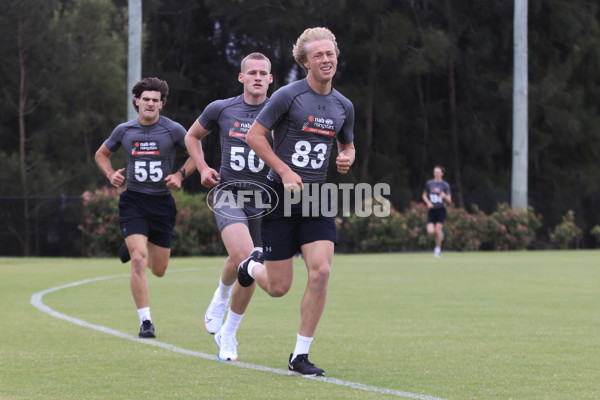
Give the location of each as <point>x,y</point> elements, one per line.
<point>497,325</point>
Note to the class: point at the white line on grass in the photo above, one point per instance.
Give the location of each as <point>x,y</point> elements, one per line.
<point>36,301</point>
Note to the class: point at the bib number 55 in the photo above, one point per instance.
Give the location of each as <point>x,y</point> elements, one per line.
<point>148,169</point>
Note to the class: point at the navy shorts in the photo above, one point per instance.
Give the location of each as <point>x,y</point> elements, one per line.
<point>282,235</point>
<point>148,215</point>
<point>436,215</point>
<point>230,209</point>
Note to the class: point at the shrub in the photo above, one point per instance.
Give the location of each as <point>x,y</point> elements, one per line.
<point>464,231</point>
<point>512,229</point>
<point>505,229</point>
<point>100,228</point>
<point>196,231</point>
<point>566,233</point>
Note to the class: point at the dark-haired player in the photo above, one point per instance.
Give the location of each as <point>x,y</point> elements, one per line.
<point>146,209</point>
<point>436,195</point>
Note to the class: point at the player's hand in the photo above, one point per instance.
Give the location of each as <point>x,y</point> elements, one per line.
<point>117,178</point>
<point>292,181</point>
<point>209,177</point>
<point>174,181</point>
<point>343,163</point>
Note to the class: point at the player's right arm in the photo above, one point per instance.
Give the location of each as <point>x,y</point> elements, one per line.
<point>426,199</point>
<point>210,177</point>
<point>257,140</point>
<point>102,157</point>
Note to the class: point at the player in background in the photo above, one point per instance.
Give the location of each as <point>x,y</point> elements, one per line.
<point>146,209</point>
<point>307,117</point>
<point>240,169</point>
<point>436,195</point>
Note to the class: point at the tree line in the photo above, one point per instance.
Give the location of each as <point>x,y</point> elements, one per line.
<point>431,82</point>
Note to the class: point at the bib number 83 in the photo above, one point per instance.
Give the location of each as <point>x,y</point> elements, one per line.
<point>145,170</point>
<point>301,157</point>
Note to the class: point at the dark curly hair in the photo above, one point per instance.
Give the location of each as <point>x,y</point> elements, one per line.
<point>151,84</point>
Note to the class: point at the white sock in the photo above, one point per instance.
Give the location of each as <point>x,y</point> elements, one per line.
<point>223,292</point>
<point>302,345</point>
<point>252,263</point>
<point>232,322</point>
<point>144,314</point>
<point>437,250</point>
<point>251,266</point>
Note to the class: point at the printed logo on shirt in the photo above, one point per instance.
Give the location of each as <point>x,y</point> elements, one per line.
<point>319,125</point>
<point>240,129</point>
<point>225,198</point>
<point>145,148</point>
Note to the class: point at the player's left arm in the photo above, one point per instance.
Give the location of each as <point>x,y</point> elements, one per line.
<point>447,197</point>
<point>345,158</point>
<point>174,180</point>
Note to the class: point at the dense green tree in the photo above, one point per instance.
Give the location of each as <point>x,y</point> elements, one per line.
<point>24,81</point>
<point>90,77</point>
<point>431,82</point>
<point>564,118</point>
<point>62,66</point>
<point>62,84</point>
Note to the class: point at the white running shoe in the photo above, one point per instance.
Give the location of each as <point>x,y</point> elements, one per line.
<point>214,316</point>
<point>227,347</point>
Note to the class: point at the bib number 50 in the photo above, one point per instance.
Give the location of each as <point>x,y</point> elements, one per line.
<point>238,162</point>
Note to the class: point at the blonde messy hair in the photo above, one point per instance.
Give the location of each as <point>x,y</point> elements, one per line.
<point>308,36</point>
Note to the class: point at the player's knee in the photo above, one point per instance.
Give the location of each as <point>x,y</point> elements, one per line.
<point>237,257</point>
<point>279,289</point>
<point>319,277</point>
<point>158,270</point>
<point>159,273</point>
<point>138,261</point>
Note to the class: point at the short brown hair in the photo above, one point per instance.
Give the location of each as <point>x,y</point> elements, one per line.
<point>150,84</point>
<point>255,56</point>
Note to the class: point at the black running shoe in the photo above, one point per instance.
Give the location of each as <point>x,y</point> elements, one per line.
<point>147,330</point>
<point>124,253</point>
<point>244,277</point>
<point>302,367</point>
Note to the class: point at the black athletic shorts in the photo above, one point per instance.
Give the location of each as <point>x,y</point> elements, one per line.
<point>282,235</point>
<point>148,215</point>
<point>436,215</point>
